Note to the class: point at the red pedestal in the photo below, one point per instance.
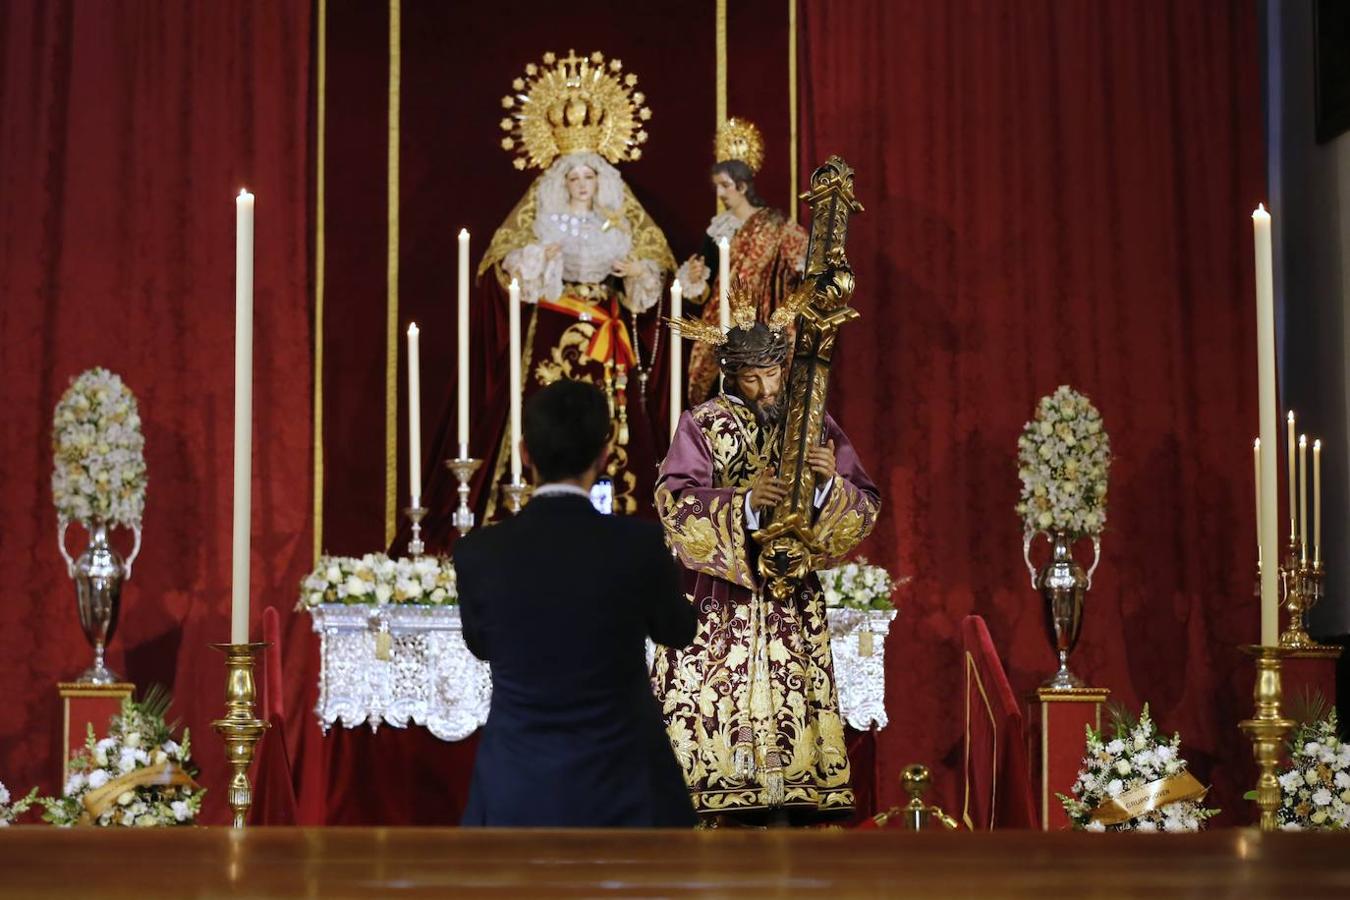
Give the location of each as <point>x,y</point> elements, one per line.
<point>1309,673</point>
<point>83,705</point>
<point>1060,718</point>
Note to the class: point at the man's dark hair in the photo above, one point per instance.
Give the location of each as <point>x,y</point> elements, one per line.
<point>739,172</point>
<point>566,426</point>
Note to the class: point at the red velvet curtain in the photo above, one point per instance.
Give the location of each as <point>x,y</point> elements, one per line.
<point>1056,192</point>
<point>128,129</point>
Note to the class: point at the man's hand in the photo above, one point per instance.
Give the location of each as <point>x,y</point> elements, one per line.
<point>768,490</point>
<point>552,251</point>
<point>698,269</point>
<point>822,462</point>
<point>623,268</point>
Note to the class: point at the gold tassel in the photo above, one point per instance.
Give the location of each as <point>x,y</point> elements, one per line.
<point>743,758</point>
<point>384,645</point>
<point>775,791</point>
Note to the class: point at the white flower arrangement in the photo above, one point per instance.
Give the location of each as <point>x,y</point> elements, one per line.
<point>376,579</point>
<point>857,585</point>
<point>1137,756</point>
<point>11,809</point>
<point>98,452</point>
<point>1064,458</point>
<point>141,754</point>
<point>1315,788</point>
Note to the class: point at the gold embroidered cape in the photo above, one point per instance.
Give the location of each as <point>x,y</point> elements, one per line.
<point>751,707</point>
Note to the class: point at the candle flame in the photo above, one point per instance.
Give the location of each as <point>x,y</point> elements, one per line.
<point>723,242</point>
<point>1260,210</point>
<point>515,285</point>
<point>412,329</point>
<point>1317,446</point>
<point>243,192</point>
<point>1291,417</point>
<point>1256,444</point>
<point>1303,440</point>
<point>464,234</point>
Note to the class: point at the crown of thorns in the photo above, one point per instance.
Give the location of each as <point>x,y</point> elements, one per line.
<point>748,342</point>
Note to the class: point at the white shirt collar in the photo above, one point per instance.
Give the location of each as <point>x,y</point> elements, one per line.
<point>560,490</point>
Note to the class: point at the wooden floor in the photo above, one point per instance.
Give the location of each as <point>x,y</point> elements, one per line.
<point>37,862</point>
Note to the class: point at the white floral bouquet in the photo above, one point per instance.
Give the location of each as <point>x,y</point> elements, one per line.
<point>1063,459</point>
<point>1315,788</point>
<point>11,809</point>
<point>1137,781</point>
<point>857,585</point>
<point>137,776</point>
<point>377,579</point>
<point>98,452</point>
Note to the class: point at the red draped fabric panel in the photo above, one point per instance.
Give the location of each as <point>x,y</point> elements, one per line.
<point>997,776</point>
<point>1056,193</point>
<point>128,129</point>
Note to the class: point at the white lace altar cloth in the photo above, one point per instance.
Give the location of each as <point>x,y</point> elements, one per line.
<point>431,679</point>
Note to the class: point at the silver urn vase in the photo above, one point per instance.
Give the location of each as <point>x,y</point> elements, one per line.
<point>1064,586</point>
<point>98,573</point>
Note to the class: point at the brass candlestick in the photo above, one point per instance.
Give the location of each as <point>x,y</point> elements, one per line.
<point>463,466</point>
<point>517,494</point>
<point>240,728</point>
<point>1267,729</point>
<point>1302,581</point>
<point>416,514</point>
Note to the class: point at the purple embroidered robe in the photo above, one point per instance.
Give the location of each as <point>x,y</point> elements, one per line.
<point>751,707</point>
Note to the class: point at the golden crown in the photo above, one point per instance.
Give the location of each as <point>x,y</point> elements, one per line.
<point>740,139</point>
<point>574,105</point>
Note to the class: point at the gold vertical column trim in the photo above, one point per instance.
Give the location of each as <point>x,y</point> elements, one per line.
<point>792,111</point>
<point>720,35</point>
<point>320,117</point>
<point>391,286</point>
<point>721,62</point>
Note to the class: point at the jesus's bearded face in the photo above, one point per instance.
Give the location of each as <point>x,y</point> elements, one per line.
<point>761,387</point>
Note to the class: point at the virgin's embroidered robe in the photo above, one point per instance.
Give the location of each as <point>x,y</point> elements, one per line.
<point>751,707</point>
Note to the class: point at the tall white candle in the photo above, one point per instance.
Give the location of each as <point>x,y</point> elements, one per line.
<point>1317,503</point>
<point>1293,466</point>
<point>415,414</point>
<point>1303,496</point>
<point>724,283</point>
<point>1256,462</point>
<point>676,350</point>
<point>1265,364</point>
<point>463,340</point>
<point>243,415</point>
<point>515,382</point>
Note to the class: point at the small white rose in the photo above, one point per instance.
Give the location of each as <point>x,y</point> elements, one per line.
<point>125,798</point>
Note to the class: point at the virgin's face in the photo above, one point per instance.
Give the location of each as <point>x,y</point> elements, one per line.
<point>581,184</point>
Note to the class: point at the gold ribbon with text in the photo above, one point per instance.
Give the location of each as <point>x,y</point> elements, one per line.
<point>97,801</point>
<point>1147,797</point>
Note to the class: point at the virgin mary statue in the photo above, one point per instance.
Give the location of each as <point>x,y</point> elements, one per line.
<point>588,259</point>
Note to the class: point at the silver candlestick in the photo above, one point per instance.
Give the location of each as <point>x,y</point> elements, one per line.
<point>463,466</point>
<point>416,514</point>
<point>517,494</point>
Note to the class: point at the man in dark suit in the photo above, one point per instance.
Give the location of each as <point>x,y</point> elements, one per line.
<point>559,601</point>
